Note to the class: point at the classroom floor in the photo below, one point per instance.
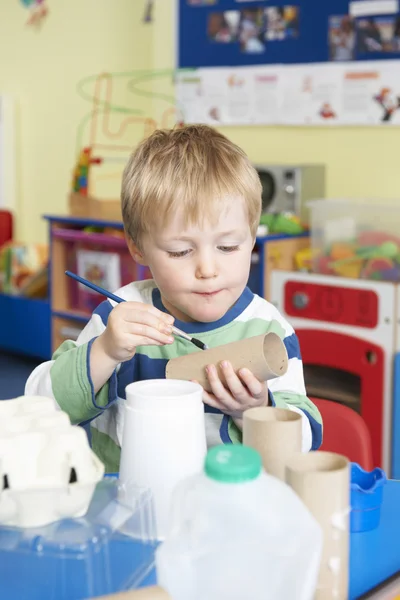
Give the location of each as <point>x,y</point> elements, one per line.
<point>14,371</point>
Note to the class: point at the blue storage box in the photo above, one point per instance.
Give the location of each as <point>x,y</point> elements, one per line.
<point>109,550</point>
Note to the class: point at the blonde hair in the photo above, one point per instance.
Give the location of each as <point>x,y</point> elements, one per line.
<point>191,169</point>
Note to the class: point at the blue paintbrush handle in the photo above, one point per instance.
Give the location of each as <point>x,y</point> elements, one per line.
<point>95,287</point>
<point>117,299</point>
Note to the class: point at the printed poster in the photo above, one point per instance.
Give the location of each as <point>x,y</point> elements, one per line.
<point>346,93</point>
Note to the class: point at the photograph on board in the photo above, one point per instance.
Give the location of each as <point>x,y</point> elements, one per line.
<point>396,35</point>
<point>282,22</point>
<point>376,34</point>
<point>341,37</point>
<point>223,26</point>
<point>251,28</point>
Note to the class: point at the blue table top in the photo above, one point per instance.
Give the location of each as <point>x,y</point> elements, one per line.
<point>374,555</point>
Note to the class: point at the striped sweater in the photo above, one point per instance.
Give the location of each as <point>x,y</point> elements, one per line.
<point>66,377</point>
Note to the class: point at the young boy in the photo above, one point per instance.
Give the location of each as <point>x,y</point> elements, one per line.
<point>191,205</point>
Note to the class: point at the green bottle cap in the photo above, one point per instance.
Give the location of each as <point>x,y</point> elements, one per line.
<point>232,463</point>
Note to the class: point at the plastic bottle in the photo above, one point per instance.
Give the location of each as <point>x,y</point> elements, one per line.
<point>236,533</point>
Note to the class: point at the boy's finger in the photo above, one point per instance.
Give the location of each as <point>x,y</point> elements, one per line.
<point>211,400</point>
<point>255,387</point>
<point>146,331</point>
<point>147,318</point>
<point>223,395</point>
<point>133,308</point>
<point>239,392</point>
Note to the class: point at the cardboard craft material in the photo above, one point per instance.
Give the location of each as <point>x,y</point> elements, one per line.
<point>321,479</point>
<point>276,433</point>
<point>149,593</point>
<point>264,355</point>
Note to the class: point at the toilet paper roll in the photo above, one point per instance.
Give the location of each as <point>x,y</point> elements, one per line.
<point>321,480</point>
<point>275,433</point>
<point>264,355</point>
<point>149,593</point>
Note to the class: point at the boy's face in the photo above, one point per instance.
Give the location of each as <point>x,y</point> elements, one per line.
<point>201,270</point>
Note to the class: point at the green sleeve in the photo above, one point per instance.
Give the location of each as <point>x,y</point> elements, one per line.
<point>234,432</point>
<point>288,399</point>
<point>71,384</point>
<point>283,399</point>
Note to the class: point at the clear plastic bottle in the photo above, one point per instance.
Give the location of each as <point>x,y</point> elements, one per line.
<point>237,533</point>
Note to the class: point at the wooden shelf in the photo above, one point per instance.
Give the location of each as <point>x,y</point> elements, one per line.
<point>71,314</point>
<point>65,329</point>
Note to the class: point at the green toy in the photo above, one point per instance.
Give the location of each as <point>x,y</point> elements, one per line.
<point>282,223</point>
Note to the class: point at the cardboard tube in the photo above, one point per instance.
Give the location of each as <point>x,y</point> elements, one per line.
<point>276,433</point>
<point>322,481</point>
<point>264,355</point>
<point>149,593</point>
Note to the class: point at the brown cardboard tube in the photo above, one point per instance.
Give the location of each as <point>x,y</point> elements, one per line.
<point>264,355</point>
<point>275,433</point>
<point>149,593</point>
<point>322,481</point>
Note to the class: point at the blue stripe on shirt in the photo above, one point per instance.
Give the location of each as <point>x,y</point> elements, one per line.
<point>292,346</point>
<point>103,310</point>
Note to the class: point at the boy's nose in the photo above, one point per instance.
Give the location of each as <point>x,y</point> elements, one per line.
<point>206,268</point>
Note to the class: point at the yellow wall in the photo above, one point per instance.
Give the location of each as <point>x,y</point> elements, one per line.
<point>360,161</point>
<point>42,68</point>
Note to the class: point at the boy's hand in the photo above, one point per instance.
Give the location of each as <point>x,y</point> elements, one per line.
<point>242,391</point>
<point>133,324</point>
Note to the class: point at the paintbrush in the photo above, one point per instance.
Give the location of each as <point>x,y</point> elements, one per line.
<point>117,299</point>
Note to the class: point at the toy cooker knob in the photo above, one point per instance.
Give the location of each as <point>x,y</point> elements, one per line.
<point>300,300</point>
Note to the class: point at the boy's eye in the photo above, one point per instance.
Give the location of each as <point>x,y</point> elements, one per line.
<point>178,254</point>
<point>228,248</point>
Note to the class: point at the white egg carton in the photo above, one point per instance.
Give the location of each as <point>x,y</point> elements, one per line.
<point>48,471</point>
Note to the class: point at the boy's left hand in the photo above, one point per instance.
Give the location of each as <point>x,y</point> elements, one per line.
<point>241,392</point>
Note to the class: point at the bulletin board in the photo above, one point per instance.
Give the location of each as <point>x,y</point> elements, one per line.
<point>218,33</point>
<point>289,62</point>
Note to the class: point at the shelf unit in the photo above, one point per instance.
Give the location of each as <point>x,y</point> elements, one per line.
<point>65,235</point>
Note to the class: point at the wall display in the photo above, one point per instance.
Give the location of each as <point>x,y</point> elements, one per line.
<point>365,93</point>
<point>289,62</point>
<point>258,32</point>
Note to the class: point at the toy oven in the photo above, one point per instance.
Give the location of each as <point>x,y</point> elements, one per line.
<point>347,330</point>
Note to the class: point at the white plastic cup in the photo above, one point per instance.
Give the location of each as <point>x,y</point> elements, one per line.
<point>163,439</point>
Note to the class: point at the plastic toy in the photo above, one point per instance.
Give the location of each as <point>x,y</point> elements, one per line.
<point>371,255</point>
<point>282,223</point>
<point>80,180</point>
<point>303,259</point>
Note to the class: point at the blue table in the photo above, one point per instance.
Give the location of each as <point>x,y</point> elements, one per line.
<point>374,555</point>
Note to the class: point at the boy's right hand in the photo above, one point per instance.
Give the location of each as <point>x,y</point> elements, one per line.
<point>133,324</point>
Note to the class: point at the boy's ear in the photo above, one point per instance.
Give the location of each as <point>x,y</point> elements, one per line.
<point>136,254</point>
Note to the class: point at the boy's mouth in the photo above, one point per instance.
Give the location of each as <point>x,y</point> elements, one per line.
<point>208,294</point>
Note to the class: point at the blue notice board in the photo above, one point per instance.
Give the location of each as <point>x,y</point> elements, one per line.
<point>218,33</point>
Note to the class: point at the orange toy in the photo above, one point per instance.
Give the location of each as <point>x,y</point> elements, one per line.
<point>341,250</point>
